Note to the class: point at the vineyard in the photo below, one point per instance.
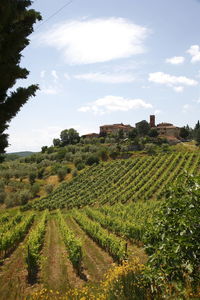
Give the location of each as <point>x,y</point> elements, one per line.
<point>85,245</point>
<point>140,178</point>
<point>73,237</point>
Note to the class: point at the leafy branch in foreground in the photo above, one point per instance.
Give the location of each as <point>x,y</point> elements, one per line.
<point>173,240</point>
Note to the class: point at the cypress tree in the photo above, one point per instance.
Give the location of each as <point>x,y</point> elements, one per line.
<point>16,24</point>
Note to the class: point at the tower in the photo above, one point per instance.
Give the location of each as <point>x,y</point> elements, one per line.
<point>152,121</point>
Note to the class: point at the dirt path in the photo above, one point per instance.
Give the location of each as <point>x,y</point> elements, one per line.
<point>96,262</point>
<point>57,272</point>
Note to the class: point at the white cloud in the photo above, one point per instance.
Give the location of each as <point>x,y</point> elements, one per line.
<point>109,104</point>
<point>54,74</point>
<point>194,51</point>
<point>67,76</point>
<point>42,73</point>
<point>176,60</point>
<point>106,77</point>
<point>96,40</point>
<point>179,89</point>
<point>176,82</point>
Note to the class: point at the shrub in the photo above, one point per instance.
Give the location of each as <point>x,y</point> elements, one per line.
<point>74,173</point>
<point>32,177</point>
<point>24,196</point>
<point>48,188</point>
<point>2,196</point>
<point>92,159</point>
<point>35,189</point>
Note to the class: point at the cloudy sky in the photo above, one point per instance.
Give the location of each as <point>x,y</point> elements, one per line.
<point>109,61</point>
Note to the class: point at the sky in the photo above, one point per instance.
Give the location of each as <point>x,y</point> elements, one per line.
<point>109,61</point>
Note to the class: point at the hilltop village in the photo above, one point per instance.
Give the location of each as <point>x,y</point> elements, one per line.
<point>165,130</point>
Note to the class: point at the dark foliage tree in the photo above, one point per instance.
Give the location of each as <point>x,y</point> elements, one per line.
<point>153,132</point>
<point>56,142</point>
<point>69,137</point>
<point>184,132</point>
<point>133,134</point>
<point>197,137</point>
<point>143,128</point>
<point>16,24</point>
<point>196,129</point>
<point>44,149</point>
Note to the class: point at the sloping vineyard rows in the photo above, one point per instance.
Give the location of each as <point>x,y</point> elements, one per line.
<point>130,230</point>
<point>11,223</point>
<point>73,245</point>
<point>115,246</point>
<point>11,238</point>
<point>34,245</point>
<point>121,181</point>
<point>140,213</point>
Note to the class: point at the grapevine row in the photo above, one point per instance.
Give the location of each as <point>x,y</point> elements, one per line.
<point>10,239</point>
<point>34,245</point>
<point>73,245</point>
<point>109,242</point>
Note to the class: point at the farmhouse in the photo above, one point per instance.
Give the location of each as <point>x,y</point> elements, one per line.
<point>115,128</point>
<point>165,129</point>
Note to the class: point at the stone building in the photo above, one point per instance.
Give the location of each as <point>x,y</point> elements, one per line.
<point>90,135</point>
<point>115,128</point>
<point>165,129</point>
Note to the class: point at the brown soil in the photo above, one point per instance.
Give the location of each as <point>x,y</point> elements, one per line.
<point>57,272</point>
<point>96,262</point>
<point>52,180</point>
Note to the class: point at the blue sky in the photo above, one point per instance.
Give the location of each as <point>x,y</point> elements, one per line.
<point>109,61</point>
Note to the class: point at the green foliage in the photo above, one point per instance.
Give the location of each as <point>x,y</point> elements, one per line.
<point>73,245</point>
<point>150,149</point>
<point>34,244</point>
<point>44,149</point>
<point>62,172</point>
<point>92,159</point>
<point>173,240</point>
<point>133,134</point>
<point>32,177</point>
<point>35,189</point>
<point>143,128</point>
<point>114,245</point>
<point>69,137</point>
<point>12,237</point>
<point>49,188</point>
<point>56,142</point>
<point>16,24</point>
<point>197,136</point>
<point>153,132</point>
<point>137,178</point>
<point>184,132</point>
<point>24,196</point>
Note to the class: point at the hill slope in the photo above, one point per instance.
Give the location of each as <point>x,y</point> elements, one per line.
<point>121,181</point>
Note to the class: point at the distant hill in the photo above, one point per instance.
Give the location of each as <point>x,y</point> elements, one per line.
<point>21,154</point>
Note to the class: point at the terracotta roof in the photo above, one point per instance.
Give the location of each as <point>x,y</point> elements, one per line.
<point>168,127</point>
<point>165,124</point>
<point>117,126</point>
